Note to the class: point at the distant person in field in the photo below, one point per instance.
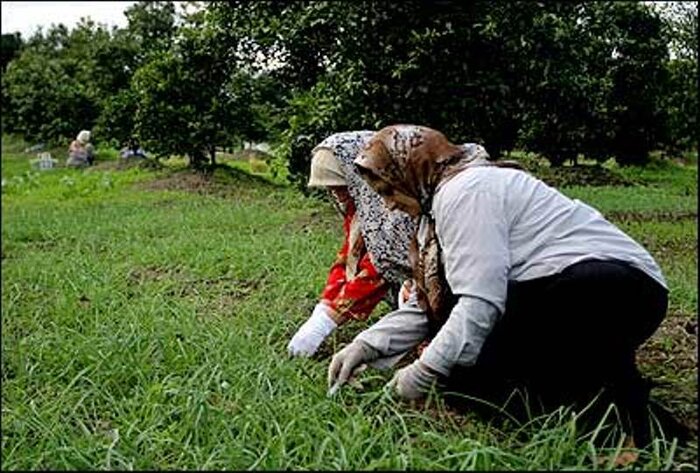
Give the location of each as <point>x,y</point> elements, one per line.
<point>81,153</point>
<point>374,254</point>
<point>517,285</point>
<point>132,149</point>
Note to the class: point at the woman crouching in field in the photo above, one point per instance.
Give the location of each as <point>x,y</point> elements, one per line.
<point>374,253</point>
<point>518,285</point>
<point>373,261</point>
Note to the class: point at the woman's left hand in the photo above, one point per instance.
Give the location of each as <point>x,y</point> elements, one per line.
<point>413,381</point>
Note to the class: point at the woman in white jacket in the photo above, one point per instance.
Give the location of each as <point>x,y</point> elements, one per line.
<point>373,261</point>
<point>516,282</point>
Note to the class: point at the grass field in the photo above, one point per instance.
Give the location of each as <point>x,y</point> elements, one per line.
<point>145,315</point>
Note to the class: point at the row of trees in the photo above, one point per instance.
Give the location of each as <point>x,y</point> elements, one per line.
<point>602,79</point>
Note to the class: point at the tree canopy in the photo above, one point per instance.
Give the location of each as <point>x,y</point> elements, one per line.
<point>561,79</point>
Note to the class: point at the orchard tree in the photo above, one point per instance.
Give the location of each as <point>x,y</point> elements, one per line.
<point>62,79</point>
<point>564,84</point>
<point>681,24</point>
<point>368,64</point>
<point>11,46</point>
<point>47,99</point>
<point>152,26</point>
<point>190,99</point>
<point>116,122</point>
<point>639,81</point>
<point>555,86</point>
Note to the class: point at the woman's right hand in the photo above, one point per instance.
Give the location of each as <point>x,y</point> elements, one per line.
<point>348,361</point>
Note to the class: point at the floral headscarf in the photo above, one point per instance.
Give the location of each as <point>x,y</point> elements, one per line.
<point>387,234</point>
<point>416,160</point>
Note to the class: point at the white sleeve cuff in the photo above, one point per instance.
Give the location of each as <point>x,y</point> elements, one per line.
<point>321,319</point>
<point>459,341</point>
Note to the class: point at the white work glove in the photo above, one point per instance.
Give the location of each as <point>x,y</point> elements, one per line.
<point>407,295</point>
<point>310,335</point>
<point>347,362</point>
<point>413,381</point>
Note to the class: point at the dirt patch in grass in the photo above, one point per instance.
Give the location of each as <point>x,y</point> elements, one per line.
<point>181,181</point>
<point>122,164</point>
<point>314,220</point>
<point>580,175</point>
<point>187,180</point>
<point>649,216</point>
<point>670,359</point>
<point>224,286</point>
<point>243,155</point>
<point>218,294</point>
<point>222,182</point>
<point>140,275</point>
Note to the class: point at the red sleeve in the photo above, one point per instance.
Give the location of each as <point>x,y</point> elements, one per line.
<point>336,276</point>
<point>356,298</point>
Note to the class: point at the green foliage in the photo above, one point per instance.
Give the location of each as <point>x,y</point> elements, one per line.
<point>682,105</point>
<point>47,102</point>
<point>57,85</point>
<point>117,120</point>
<point>340,74</point>
<point>190,100</point>
<point>638,77</point>
<point>152,26</point>
<point>589,62</point>
<point>10,46</point>
<point>146,329</point>
<point>681,24</point>
<point>558,78</point>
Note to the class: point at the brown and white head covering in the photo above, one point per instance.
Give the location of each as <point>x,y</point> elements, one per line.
<point>417,160</point>
<point>387,234</point>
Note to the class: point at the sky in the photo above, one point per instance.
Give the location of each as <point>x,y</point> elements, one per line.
<point>25,17</point>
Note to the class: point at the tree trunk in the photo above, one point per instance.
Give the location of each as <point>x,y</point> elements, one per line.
<point>197,160</point>
<point>212,156</point>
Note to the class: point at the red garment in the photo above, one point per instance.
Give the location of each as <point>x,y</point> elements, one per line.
<point>355,298</point>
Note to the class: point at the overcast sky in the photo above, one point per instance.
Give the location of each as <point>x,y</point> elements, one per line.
<point>25,17</point>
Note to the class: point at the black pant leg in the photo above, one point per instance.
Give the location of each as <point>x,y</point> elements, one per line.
<point>565,337</point>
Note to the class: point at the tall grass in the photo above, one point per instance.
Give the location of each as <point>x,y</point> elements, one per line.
<point>147,329</point>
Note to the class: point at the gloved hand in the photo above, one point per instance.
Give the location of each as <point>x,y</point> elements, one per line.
<point>413,381</point>
<point>310,335</point>
<point>407,294</point>
<point>347,361</point>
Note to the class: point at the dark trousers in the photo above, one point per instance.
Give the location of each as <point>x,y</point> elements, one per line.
<point>567,338</point>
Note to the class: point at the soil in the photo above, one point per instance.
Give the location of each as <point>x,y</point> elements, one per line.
<point>224,182</point>
<point>183,181</point>
<point>670,358</point>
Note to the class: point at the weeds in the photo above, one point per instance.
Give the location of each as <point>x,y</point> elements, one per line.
<point>144,327</point>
